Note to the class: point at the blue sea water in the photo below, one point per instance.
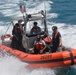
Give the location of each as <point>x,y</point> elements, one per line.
<point>66,10</point>
<point>61,13</point>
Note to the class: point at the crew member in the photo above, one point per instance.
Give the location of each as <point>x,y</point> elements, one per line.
<point>35,29</point>
<point>17,37</point>
<point>56,39</point>
<point>39,45</point>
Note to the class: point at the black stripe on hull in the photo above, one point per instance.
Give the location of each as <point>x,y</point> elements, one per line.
<point>49,61</point>
<point>71,56</point>
<point>53,60</point>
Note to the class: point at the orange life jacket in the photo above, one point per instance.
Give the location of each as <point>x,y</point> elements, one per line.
<point>55,35</point>
<point>39,45</point>
<point>48,40</point>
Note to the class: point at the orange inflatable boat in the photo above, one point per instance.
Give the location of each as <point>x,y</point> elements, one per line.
<point>58,59</point>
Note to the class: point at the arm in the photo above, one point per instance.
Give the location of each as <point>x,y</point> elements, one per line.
<point>60,44</point>
<point>13,31</point>
<point>60,38</point>
<point>41,51</point>
<point>31,31</point>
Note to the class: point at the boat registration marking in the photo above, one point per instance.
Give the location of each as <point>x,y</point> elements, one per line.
<point>45,57</point>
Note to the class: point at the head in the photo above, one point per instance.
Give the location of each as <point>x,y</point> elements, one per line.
<point>54,28</point>
<point>35,24</point>
<point>16,25</point>
<point>38,38</point>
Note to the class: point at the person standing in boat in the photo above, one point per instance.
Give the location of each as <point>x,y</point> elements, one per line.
<point>35,29</point>
<point>17,36</point>
<point>56,39</point>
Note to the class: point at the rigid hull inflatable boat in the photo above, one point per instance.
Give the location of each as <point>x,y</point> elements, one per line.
<point>57,59</point>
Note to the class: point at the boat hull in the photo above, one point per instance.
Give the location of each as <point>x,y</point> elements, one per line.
<point>57,59</point>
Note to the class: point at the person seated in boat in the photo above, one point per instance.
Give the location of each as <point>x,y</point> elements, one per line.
<point>36,29</point>
<point>48,42</point>
<point>39,45</point>
<point>56,39</point>
<point>17,37</point>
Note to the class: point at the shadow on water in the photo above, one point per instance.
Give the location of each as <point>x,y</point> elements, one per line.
<point>72,71</point>
<point>62,70</point>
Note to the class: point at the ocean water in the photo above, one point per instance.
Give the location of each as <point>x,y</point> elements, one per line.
<point>61,13</point>
<point>66,11</point>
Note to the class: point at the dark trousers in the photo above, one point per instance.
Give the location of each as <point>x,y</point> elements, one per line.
<point>54,48</point>
<point>17,44</point>
<point>14,43</point>
<point>36,51</point>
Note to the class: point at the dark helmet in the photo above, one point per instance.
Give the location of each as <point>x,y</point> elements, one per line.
<point>38,38</point>
<point>54,28</point>
<point>16,24</point>
<point>35,23</point>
